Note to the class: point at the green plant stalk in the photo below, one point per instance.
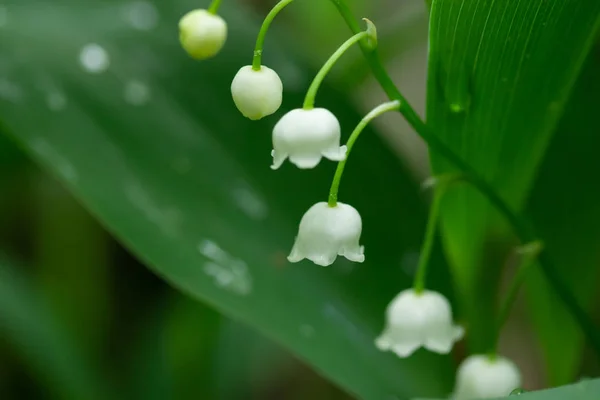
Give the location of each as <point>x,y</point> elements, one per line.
<point>260,39</point>
<point>427,247</point>
<point>520,226</point>
<point>214,6</point>
<point>376,112</point>
<point>309,100</point>
<point>529,254</point>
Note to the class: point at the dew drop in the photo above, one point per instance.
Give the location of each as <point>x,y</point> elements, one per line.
<point>136,93</point>
<point>56,101</point>
<point>141,15</point>
<point>210,249</point>
<point>166,218</point>
<point>228,272</point>
<point>518,391</point>
<point>10,91</point>
<point>94,58</point>
<point>250,203</point>
<point>456,90</point>
<point>307,330</point>
<point>457,107</point>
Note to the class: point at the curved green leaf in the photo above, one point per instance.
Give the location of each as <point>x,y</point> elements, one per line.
<point>155,149</point>
<point>565,206</point>
<point>500,74</point>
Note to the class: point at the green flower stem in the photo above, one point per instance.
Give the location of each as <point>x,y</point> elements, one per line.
<point>432,222</point>
<point>529,254</point>
<point>260,40</point>
<point>214,6</point>
<point>520,225</point>
<point>309,100</point>
<point>376,112</point>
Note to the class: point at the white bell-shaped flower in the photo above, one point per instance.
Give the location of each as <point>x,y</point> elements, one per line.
<point>484,376</point>
<point>326,232</point>
<point>257,93</point>
<point>202,34</point>
<point>419,319</point>
<point>305,136</point>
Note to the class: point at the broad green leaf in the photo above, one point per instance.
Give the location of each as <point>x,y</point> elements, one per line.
<point>29,326</point>
<point>585,389</point>
<point>565,206</point>
<point>155,149</point>
<point>500,73</point>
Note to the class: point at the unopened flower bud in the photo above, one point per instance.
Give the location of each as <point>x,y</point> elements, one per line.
<point>305,136</point>
<point>326,232</point>
<point>202,34</point>
<point>419,319</point>
<point>257,93</point>
<point>484,377</point>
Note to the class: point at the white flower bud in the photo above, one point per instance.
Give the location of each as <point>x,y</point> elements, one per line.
<point>419,319</point>
<point>326,232</point>
<point>484,377</point>
<point>256,93</point>
<point>202,34</point>
<point>305,136</point>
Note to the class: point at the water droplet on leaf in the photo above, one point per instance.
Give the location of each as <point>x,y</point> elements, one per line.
<point>457,89</point>
<point>141,15</point>
<point>136,93</point>
<point>93,58</point>
<point>457,107</point>
<point>518,391</point>
<point>56,101</point>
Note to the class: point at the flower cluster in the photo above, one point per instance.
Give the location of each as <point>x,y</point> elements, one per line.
<point>416,317</point>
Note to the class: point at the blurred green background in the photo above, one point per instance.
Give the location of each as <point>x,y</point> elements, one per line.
<point>145,140</point>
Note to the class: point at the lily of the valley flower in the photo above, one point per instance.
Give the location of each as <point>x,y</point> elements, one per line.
<point>305,136</point>
<point>483,377</point>
<point>419,319</point>
<point>257,93</point>
<point>326,232</point>
<point>202,34</point>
